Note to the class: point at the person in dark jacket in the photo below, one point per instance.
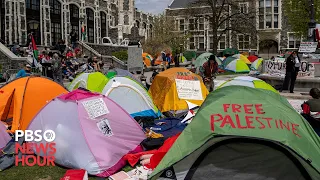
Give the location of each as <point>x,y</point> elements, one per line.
<point>208,71</point>
<point>293,64</point>
<point>311,110</point>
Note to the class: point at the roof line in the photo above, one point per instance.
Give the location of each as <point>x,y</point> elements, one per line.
<point>171,3</point>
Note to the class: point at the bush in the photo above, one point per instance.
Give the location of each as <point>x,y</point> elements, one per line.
<point>122,55</point>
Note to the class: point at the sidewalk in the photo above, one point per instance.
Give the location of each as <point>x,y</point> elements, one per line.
<point>296,95</point>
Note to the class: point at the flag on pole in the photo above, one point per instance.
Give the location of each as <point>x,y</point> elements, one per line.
<point>83,33</point>
<point>35,50</point>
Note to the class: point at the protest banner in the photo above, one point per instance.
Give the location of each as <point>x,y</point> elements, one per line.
<point>277,68</point>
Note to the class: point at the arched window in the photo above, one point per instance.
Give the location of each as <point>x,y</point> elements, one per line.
<point>33,19</point>
<point>138,24</point>
<point>74,18</point>
<point>144,25</point>
<point>55,15</point>
<point>126,20</point>
<point>103,17</point>
<point>90,25</point>
<point>150,29</point>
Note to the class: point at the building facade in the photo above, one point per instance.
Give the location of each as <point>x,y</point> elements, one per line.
<point>272,32</point>
<point>52,20</point>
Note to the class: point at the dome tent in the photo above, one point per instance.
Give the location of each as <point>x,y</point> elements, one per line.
<point>230,141</point>
<point>131,96</point>
<point>249,82</point>
<point>4,136</point>
<point>21,99</point>
<point>165,87</point>
<point>94,137</point>
<point>94,82</point>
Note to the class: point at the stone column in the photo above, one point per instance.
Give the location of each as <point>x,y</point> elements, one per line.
<point>66,27</point>
<point>9,19</point>
<point>45,24</point>
<point>97,23</point>
<point>22,22</point>
<point>82,13</point>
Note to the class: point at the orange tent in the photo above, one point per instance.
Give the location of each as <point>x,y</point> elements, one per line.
<point>164,90</point>
<point>147,58</point>
<point>23,98</point>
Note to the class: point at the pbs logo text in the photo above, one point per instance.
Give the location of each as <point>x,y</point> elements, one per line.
<point>35,136</point>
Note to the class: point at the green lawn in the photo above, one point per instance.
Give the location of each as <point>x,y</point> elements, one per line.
<point>40,173</point>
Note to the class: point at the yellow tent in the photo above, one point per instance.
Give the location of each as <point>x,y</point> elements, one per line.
<point>165,94</point>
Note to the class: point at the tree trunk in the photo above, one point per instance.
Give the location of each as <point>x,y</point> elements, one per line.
<point>215,41</point>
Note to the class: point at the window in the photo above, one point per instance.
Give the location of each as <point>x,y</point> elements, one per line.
<point>191,24</point>
<point>90,35</point>
<point>126,20</point>
<point>268,14</point>
<point>55,7</point>
<point>74,11</point>
<point>243,7</point>
<point>223,25</point>
<point>181,25</point>
<point>243,41</point>
<point>103,24</point>
<point>55,32</point>
<point>201,23</point>
<point>294,41</point>
<point>191,43</point>
<point>222,42</point>
<point>90,25</point>
<point>201,43</point>
<point>33,4</point>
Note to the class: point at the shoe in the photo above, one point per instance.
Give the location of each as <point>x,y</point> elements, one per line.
<point>291,92</point>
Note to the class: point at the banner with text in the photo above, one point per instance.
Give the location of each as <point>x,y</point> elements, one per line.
<point>276,68</point>
<point>308,47</point>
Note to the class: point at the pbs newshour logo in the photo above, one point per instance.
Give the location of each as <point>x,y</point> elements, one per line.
<point>37,142</point>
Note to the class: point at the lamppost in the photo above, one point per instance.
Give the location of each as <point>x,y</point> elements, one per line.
<point>312,23</point>
<point>81,19</point>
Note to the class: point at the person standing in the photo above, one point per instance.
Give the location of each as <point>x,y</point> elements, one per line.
<point>74,38</point>
<point>293,64</point>
<point>208,71</point>
<point>57,69</point>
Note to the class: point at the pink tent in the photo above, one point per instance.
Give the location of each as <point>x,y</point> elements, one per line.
<point>4,136</point>
<point>92,132</point>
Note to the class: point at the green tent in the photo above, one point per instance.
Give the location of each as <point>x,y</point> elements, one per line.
<point>94,82</point>
<point>228,60</point>
<point>244,133</point>
<point>230,51</point>
<point>189,55</point>
<point>204,58</point>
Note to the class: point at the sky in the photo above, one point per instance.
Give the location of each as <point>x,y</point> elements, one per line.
<point>152,6</point>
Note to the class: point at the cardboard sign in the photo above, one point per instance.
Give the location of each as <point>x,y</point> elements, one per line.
<point>308,47</point>
<point>190,90</point>
<point>95,108</point>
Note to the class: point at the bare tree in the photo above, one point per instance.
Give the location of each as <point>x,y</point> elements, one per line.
<point>225,16</point>
<point>164,35</point>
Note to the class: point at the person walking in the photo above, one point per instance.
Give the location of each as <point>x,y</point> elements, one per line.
<point>293,64</point>
<point>208,71</point>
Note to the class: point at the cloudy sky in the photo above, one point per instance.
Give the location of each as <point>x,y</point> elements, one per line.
<point>152,6</point>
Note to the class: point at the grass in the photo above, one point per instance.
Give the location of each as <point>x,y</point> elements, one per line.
<point>40,173</point>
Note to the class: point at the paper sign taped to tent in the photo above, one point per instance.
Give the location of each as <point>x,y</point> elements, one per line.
<point>190,90</point>
<point>95,108</point>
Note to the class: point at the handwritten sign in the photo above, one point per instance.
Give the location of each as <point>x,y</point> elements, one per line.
<point>279,68</point>
<point>250,117</point>
<point>189,89</point>
<point>95,108</point>
<point>308,47</point>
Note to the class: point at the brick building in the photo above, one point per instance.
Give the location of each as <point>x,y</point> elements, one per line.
<point>270,26</point>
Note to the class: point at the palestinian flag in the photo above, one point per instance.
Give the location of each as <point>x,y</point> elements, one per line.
<point>83,33</point>
<point>34,49</point>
